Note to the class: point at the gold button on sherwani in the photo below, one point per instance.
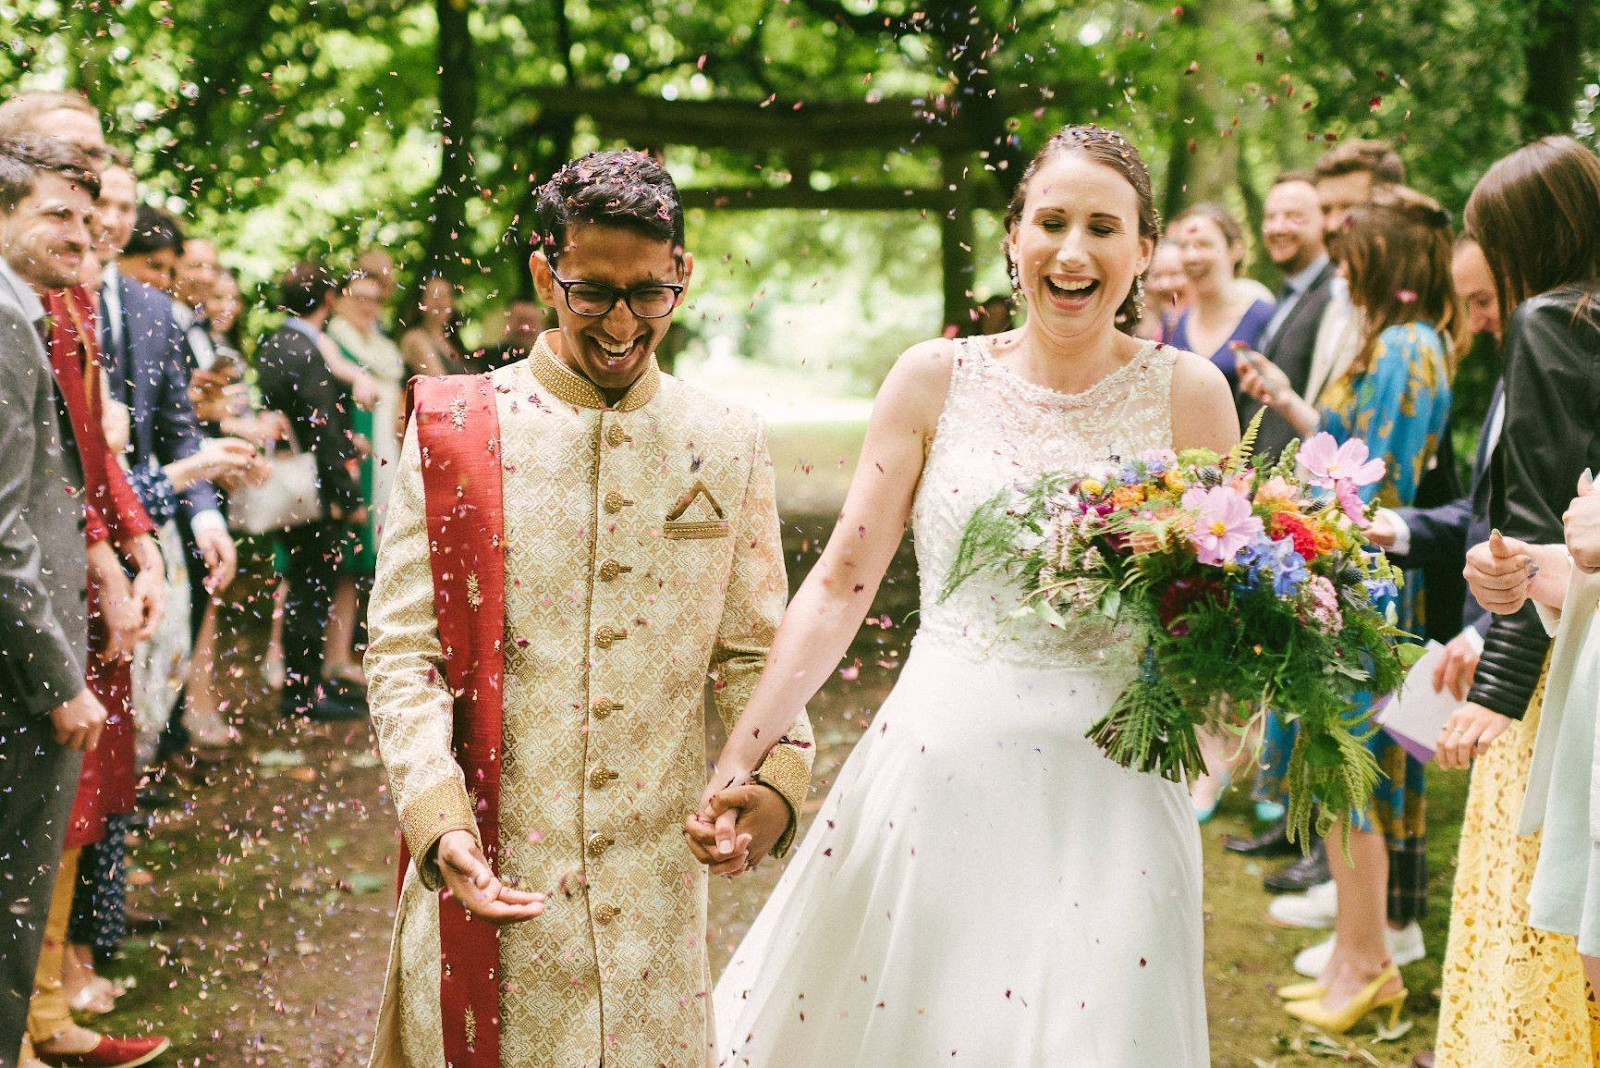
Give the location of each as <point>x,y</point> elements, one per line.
<point>604,673</point>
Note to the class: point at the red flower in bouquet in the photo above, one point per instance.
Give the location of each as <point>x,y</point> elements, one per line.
<point>1289,525</point>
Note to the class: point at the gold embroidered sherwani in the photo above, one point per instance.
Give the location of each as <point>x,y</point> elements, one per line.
<point>642,555</point>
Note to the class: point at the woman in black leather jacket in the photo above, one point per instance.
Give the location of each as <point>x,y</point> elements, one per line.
<point>1536,215</point>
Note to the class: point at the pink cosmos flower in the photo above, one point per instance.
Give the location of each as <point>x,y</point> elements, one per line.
<point>1223,523</point>
<point>1328,462</point>
<point>1354,508</point>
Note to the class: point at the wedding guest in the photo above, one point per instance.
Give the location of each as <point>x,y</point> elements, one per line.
<point>1168,293</point>
<point>1350,174</point>
<point>47,714</point>
<point>222,395</point>
<point>1291,232</point>
<point>1347,176</point>
<point>430,332</point>
<point>354,327</point>
<point>1293,236</point>
<point>1482,1020</point>
<point>193,282</point>
<point>297,380</point>
<point>994,315</point>
<point>376,263</point>
<point>227,405</point>
<point>1395,396</point>
<point>1536,214</point>
<point>150,254</point>
<point>147,358</point>
<point>525,321</point>
<point>1226,312</point>
<point>46,202</point>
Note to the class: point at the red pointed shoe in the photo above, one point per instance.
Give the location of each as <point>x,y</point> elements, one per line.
<point>111,1053</point>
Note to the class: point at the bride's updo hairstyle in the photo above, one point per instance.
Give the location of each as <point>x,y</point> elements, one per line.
<point>1109,149</point>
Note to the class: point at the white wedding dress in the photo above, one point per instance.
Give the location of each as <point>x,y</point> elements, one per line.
<point>982,886</point>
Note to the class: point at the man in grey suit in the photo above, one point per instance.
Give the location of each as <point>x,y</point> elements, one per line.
<point>48,717</point>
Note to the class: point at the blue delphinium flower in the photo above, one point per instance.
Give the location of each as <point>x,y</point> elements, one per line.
<point>1379,590</point>
<point>1291,569</point>
<point>1265,559</point>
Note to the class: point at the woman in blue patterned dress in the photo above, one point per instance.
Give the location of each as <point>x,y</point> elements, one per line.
<point>1394,394</point>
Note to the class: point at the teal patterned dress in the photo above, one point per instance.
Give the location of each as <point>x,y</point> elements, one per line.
<point>1398,405</point>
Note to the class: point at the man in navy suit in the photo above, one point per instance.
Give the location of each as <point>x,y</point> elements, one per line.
<point>148,366</point>
<point>1292,233</point>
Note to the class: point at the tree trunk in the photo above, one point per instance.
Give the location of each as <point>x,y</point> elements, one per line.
<point>956,238</point>
<point>1557,36</point>
<point>458,113</point>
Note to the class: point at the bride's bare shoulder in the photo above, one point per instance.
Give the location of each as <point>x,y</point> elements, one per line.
<point>915,388</point>
<point>1203,411</point>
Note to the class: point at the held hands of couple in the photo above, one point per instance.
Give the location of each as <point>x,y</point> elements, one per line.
<point>472,882</point>
<point>735,823</point>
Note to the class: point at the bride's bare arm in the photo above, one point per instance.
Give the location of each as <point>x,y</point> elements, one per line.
<point>828,608</point>
<point>1203,415</point>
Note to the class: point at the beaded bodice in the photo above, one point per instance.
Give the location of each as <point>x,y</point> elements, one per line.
<point>998,429</point>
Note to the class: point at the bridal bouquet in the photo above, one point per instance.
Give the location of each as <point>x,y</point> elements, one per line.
<point>1247,588</point>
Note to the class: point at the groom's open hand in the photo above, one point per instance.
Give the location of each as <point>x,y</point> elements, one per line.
<point>472,882</point>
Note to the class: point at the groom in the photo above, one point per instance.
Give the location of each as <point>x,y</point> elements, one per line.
<point>576,543</point>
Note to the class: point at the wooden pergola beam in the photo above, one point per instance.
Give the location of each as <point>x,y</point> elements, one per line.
<point>838,198</point>
<point>796,126</point>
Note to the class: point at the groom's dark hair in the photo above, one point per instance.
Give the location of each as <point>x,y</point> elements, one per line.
<point>617,188</point>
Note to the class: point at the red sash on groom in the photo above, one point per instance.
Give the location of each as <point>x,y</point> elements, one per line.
<point>458,430</point>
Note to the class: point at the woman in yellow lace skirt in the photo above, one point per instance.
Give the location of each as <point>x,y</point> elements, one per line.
<point>1513,995</point>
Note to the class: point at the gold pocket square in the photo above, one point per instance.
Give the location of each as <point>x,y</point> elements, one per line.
<point>680,529</point>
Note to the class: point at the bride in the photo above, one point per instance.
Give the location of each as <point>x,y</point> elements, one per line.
<point>982,886</point>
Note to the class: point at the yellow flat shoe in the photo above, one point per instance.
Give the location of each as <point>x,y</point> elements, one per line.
<point>1312,1012</point>
<point>1302,991</point>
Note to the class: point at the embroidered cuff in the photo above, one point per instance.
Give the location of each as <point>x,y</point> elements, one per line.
<point>440,808</point>
<point>789,773</point>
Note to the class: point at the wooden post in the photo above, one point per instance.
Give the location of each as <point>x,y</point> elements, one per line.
<point>956,238</point>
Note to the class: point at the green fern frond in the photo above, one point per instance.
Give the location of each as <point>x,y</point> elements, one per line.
<point>1241,453</point>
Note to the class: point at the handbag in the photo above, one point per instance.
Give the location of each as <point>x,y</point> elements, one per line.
<point>287,499</point>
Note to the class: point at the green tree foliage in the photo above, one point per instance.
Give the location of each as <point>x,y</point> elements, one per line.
<point>291,126</point>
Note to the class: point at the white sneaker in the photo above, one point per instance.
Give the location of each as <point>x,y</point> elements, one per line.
<point>1315,908</point>
<point>1405,946</point>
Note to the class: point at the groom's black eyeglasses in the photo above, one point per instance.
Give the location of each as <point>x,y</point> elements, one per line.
<point>652,300</point>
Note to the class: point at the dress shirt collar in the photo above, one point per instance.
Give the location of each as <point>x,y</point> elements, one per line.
<point>26,296</point>
<point>1301,281</point>
<point>573,388</point>
<point>294,322</point>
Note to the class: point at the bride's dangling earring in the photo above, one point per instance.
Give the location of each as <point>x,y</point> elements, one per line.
<point>1016,276</point>
<point>1138,297</point>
